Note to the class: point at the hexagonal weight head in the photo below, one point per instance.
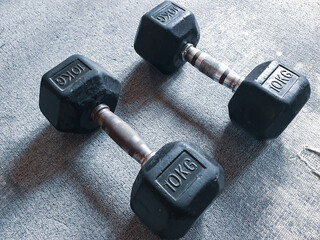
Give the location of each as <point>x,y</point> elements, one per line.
<point>268,99</point>
<point>162,34</point>
<point>174,188</point>
<point>71,90</point>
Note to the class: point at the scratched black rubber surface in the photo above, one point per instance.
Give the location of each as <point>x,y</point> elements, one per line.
<point>65,186</point>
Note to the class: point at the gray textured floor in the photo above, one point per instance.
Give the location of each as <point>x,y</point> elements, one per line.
<point>63,186</point>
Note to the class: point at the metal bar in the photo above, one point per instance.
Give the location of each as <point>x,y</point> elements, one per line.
<point>206,64</point>
<point>122,134</point>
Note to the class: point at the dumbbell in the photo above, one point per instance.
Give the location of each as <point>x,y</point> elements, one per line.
<point>175,184</point>
<point>264,102</point>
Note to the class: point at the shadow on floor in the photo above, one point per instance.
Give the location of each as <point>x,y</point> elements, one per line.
<point>235,150</point>
<point>145,85</point>
<point>49,155</point>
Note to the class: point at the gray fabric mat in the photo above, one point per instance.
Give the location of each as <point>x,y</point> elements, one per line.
<point>65,186</point>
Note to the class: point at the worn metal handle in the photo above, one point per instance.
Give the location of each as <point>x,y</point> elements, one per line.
<point>206,64</point>
<point>122,134</point>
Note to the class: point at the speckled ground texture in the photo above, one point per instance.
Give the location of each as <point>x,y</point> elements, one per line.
<point>65,186</point>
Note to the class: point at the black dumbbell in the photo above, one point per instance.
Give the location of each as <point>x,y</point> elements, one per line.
<point>174,186</point>
<point>264,103</point>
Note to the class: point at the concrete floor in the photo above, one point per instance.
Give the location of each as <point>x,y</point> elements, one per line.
<point>66,186</point>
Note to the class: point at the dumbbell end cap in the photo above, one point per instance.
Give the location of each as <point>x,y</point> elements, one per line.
<point>269,99</point>
<point>175,187</point>
<point>162,34</point>
<point>71,90</point>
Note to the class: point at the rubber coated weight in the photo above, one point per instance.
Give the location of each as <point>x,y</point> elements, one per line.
<point>268,100</point>
<point>162,34</point>
<point>70,91</point>
<point>175,187</point>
